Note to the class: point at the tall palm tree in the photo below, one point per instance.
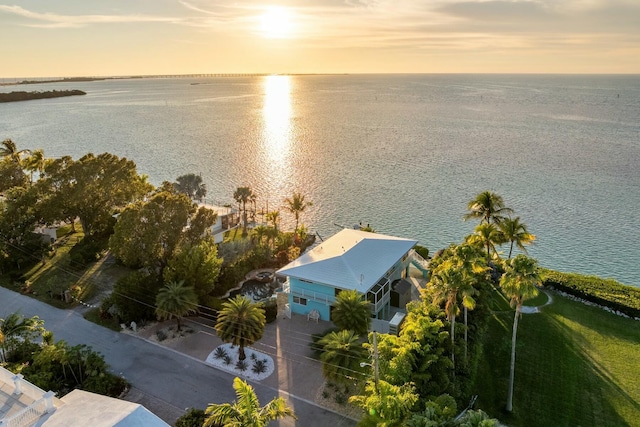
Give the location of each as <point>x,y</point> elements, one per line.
<point>296,204</point>
<point>240,322</point>
<point>470,260</point>
<point>487,206</point>
<point>176,300</point>
<point>514,231</point>
<point>446,283</point>
<point>246,410</point>
<point>36,162</point>
<point>519,283</point>
<point>351,311</point>
<point>488,236</point>
<point>342,353</point>
<point>242,196</point>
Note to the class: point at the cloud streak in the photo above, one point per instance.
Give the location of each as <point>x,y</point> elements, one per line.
<point>53,20</point>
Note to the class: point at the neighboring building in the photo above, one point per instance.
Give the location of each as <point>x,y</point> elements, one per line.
<point>22,404</point>
<point>351,259</point>
<point>226,219</point>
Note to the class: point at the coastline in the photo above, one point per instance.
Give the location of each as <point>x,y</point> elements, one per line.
<point>18,96</point>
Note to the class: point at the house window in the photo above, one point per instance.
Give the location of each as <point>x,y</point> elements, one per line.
<point>298,300</point>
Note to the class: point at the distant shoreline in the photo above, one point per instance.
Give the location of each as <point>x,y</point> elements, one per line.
<point>27,96</point>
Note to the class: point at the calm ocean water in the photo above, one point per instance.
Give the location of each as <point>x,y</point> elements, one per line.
<point>404,153</point>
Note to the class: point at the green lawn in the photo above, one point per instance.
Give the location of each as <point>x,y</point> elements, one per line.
<point>575,366</point>
<point>48,281</point>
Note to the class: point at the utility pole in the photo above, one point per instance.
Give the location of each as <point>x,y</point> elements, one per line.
<point>374,365</point>
<point>375,360</point>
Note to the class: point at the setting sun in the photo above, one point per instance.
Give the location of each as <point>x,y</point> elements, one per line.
<point>276,22</point>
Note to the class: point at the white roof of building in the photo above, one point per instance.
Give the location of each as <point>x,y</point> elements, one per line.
<point>350,259</point>
<point>81,408</point>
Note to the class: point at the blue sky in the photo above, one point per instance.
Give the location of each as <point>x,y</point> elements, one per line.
<point>125,37</point>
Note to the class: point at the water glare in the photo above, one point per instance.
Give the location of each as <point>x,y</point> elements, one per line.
<point>277,133</point>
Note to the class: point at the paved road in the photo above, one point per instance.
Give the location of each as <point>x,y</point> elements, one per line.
<point>159,374</point>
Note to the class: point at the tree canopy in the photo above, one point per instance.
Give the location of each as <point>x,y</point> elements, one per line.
<point>240,322</point>
<point>351,311</point>
<point>191,185</point>
<point>92,188</point>
<point>149,233</point>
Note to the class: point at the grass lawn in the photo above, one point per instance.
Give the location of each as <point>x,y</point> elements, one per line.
<point>48,281</point>
<point>234,234</point>
<point>575,366</point>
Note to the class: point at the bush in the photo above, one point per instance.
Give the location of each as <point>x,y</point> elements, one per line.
<point>259,366</point>
<point>423,251</point>
<point>192,418</point>
<point>134,297</point>
<point>241,365</point>
<point>105,383</point>
<point>86,251</point>
<point>605,292</point>
<point>219,353</point>
<point>161,335</point>
<point>270,310</point>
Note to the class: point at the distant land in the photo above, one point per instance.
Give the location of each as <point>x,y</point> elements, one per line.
<point>26,96</point>
<point>158,76</point>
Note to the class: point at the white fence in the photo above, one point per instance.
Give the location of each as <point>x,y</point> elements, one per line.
<point>43,401</point>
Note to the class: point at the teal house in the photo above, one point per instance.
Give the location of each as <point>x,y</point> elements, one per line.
<point>351,259</point>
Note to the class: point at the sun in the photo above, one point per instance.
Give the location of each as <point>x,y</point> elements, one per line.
<point>275,22</point>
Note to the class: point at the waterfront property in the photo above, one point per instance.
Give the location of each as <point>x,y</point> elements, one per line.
<point>370,263</point>
<point>226,218</point>
<point>22,404</point>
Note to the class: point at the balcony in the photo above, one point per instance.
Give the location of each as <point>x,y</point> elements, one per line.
<point>309,295</point>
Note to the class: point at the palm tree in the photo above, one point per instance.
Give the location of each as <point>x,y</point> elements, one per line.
<point>35,163</point>
<point>16,326</point>
<point>488,236</point>
<point>176,300</point>
<point>296,205</point>
<point>246,410</point>
<point>470,261</point>
<point>487,206</point>
<point>260,233</point>
<point>351,311</point>
<point>10,150</point>
<point>191,185</point>
<point>342,353</point>
<point>240,322</point>
<point>242,196</point>
<point>446,282</point>
<point>274,218</point>
<point>519,283</point>
<point>516,232</point>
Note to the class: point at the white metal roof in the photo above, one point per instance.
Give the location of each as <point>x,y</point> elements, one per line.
<point>350,259</point>
<point>82,408</point>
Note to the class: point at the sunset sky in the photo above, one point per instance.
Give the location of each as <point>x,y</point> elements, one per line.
<point>129,37</point>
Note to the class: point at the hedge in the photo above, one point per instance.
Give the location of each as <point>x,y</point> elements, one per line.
<point>605,292</point>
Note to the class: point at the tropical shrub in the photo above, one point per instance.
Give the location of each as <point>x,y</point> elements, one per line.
<point>605,292</point>
<point>271,310</point>
<point>219,353</point>
<point>192,418</point>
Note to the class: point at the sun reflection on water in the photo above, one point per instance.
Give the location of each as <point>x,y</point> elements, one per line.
<point>278,130</point>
